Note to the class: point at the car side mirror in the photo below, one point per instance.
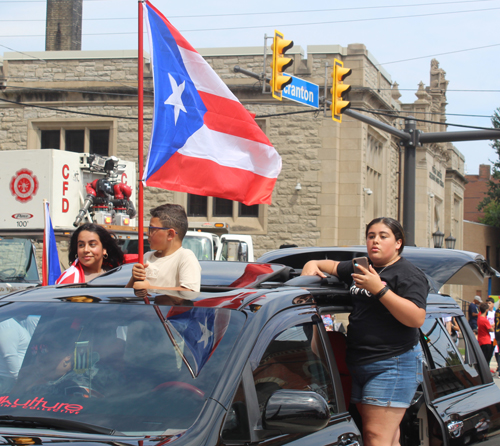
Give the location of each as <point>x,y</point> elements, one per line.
<point>295,411</point>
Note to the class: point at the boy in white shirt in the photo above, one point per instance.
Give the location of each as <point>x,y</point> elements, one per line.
<point>169,266</point>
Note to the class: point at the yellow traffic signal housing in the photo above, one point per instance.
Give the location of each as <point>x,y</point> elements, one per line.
<point>339,89</point>
<point>279,64</point>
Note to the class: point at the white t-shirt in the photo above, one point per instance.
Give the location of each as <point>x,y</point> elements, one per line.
<point>14,341</point>
<point>180,269</point>
<point>490,315</point>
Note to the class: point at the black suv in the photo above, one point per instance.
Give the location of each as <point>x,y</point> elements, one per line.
<point>248,360</point>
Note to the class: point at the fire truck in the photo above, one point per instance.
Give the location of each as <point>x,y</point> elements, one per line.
<point>81,188</point>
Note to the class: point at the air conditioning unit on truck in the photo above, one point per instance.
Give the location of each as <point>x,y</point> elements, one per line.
<point>79,187</point>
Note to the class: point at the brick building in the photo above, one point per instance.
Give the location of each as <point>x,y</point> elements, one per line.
<point>479,237</point>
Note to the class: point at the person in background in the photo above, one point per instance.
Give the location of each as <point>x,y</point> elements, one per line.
<point>168,266</point>
<point>483,332</point>
<point>490,315</point>
<point>383,350</point>
<point>92,251</point>
<point>14,340</point>
<point>473,313</point>
<point>497,330</point>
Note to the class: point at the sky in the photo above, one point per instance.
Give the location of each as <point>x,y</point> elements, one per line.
<point>402,35</point>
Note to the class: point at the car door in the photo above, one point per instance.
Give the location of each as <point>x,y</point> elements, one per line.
<point>290,354</point>
<point>463,402</point>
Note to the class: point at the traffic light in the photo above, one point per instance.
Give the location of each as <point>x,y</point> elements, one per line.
<point>279,64</point>
<point>339,89</point>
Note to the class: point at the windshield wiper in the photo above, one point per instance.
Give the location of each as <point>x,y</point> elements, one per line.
<point>51,423</point>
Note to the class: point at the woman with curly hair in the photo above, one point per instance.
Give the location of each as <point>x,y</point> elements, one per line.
<point>92,251</point>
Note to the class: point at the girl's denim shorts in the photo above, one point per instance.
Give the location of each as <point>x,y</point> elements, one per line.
<point>391,382</point>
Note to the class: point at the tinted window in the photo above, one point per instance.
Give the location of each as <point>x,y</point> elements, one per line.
<point>117,366</point>
<point>450,367</point>
<point>295,359</point>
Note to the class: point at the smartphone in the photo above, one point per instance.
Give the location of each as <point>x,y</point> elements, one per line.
<point>363,261</point>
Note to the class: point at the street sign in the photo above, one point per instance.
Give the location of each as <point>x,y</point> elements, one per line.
<point>302,91</point>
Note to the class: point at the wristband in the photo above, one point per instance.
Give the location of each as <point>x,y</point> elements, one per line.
<point>381,292</point>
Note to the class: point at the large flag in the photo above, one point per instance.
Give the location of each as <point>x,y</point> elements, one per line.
<point>51,269</point>
<point>203,140</point>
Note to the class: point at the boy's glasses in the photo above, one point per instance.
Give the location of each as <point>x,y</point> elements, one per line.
<point>153,229</point>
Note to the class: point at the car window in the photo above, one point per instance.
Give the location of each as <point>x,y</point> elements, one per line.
<point>295,359</point>
<point>236,426</point>
<point>450,367</point>
<point>128,368</point>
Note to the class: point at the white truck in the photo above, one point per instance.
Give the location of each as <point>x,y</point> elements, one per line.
<point>77,186</point>
<point>80,188</point>
<point>212,241</point>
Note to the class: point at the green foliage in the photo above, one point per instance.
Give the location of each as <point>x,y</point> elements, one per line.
<point>491,214</point>
<point>491,203</point>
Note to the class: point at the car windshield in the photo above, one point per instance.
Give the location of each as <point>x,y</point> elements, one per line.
<point>17,261</point>
<point>132,369</point>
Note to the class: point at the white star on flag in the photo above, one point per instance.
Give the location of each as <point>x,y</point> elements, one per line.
<point>206,333</point>
<point>175,98</point>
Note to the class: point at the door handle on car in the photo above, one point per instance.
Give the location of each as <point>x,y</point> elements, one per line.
<point>348,440</point>
<point>455,428</point>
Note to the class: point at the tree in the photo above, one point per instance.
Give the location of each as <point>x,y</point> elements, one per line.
<point>491,203</point>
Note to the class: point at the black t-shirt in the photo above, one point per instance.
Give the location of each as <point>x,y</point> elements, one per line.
<point>374,334</point>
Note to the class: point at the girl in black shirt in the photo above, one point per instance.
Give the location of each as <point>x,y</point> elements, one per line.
<point>383,355</point>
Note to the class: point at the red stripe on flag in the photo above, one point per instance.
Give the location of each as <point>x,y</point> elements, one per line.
<point>181,41</point>
<point>204,177</point>
<point>226,116</point>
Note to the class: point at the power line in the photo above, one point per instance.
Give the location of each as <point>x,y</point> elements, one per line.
<point>391,115</point>
<point>285,25</point>
<point>440,54</point>
<point>245,14</point>
<point>69,111</point>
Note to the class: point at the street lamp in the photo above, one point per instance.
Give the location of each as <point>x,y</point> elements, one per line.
<point>450,242</point>
<point>438,237</point>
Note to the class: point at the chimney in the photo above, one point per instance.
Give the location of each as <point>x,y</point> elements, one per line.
<point>484,172</point>
<point>64,25</point>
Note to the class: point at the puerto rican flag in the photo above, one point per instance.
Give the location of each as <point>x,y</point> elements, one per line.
<point>51,269</point>
<point>203,140</point>
<point>202,329</point>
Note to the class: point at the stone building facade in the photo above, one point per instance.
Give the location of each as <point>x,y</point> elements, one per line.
<point>335,177</point>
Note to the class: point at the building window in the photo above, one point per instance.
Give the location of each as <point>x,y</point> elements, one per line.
<point>78,136</point>
<point>99,142</point>
<point>197,205</point>
<point>222,207</point>
<point>51,139</point>
<point>75,140</point>
<point>248,211</point>
<point>374,177</point>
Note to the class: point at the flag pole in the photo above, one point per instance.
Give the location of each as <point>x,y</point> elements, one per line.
<point>140,110</point>
<point>45,266</point>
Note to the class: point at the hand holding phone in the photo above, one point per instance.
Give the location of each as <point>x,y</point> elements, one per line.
<point>363,261</point>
